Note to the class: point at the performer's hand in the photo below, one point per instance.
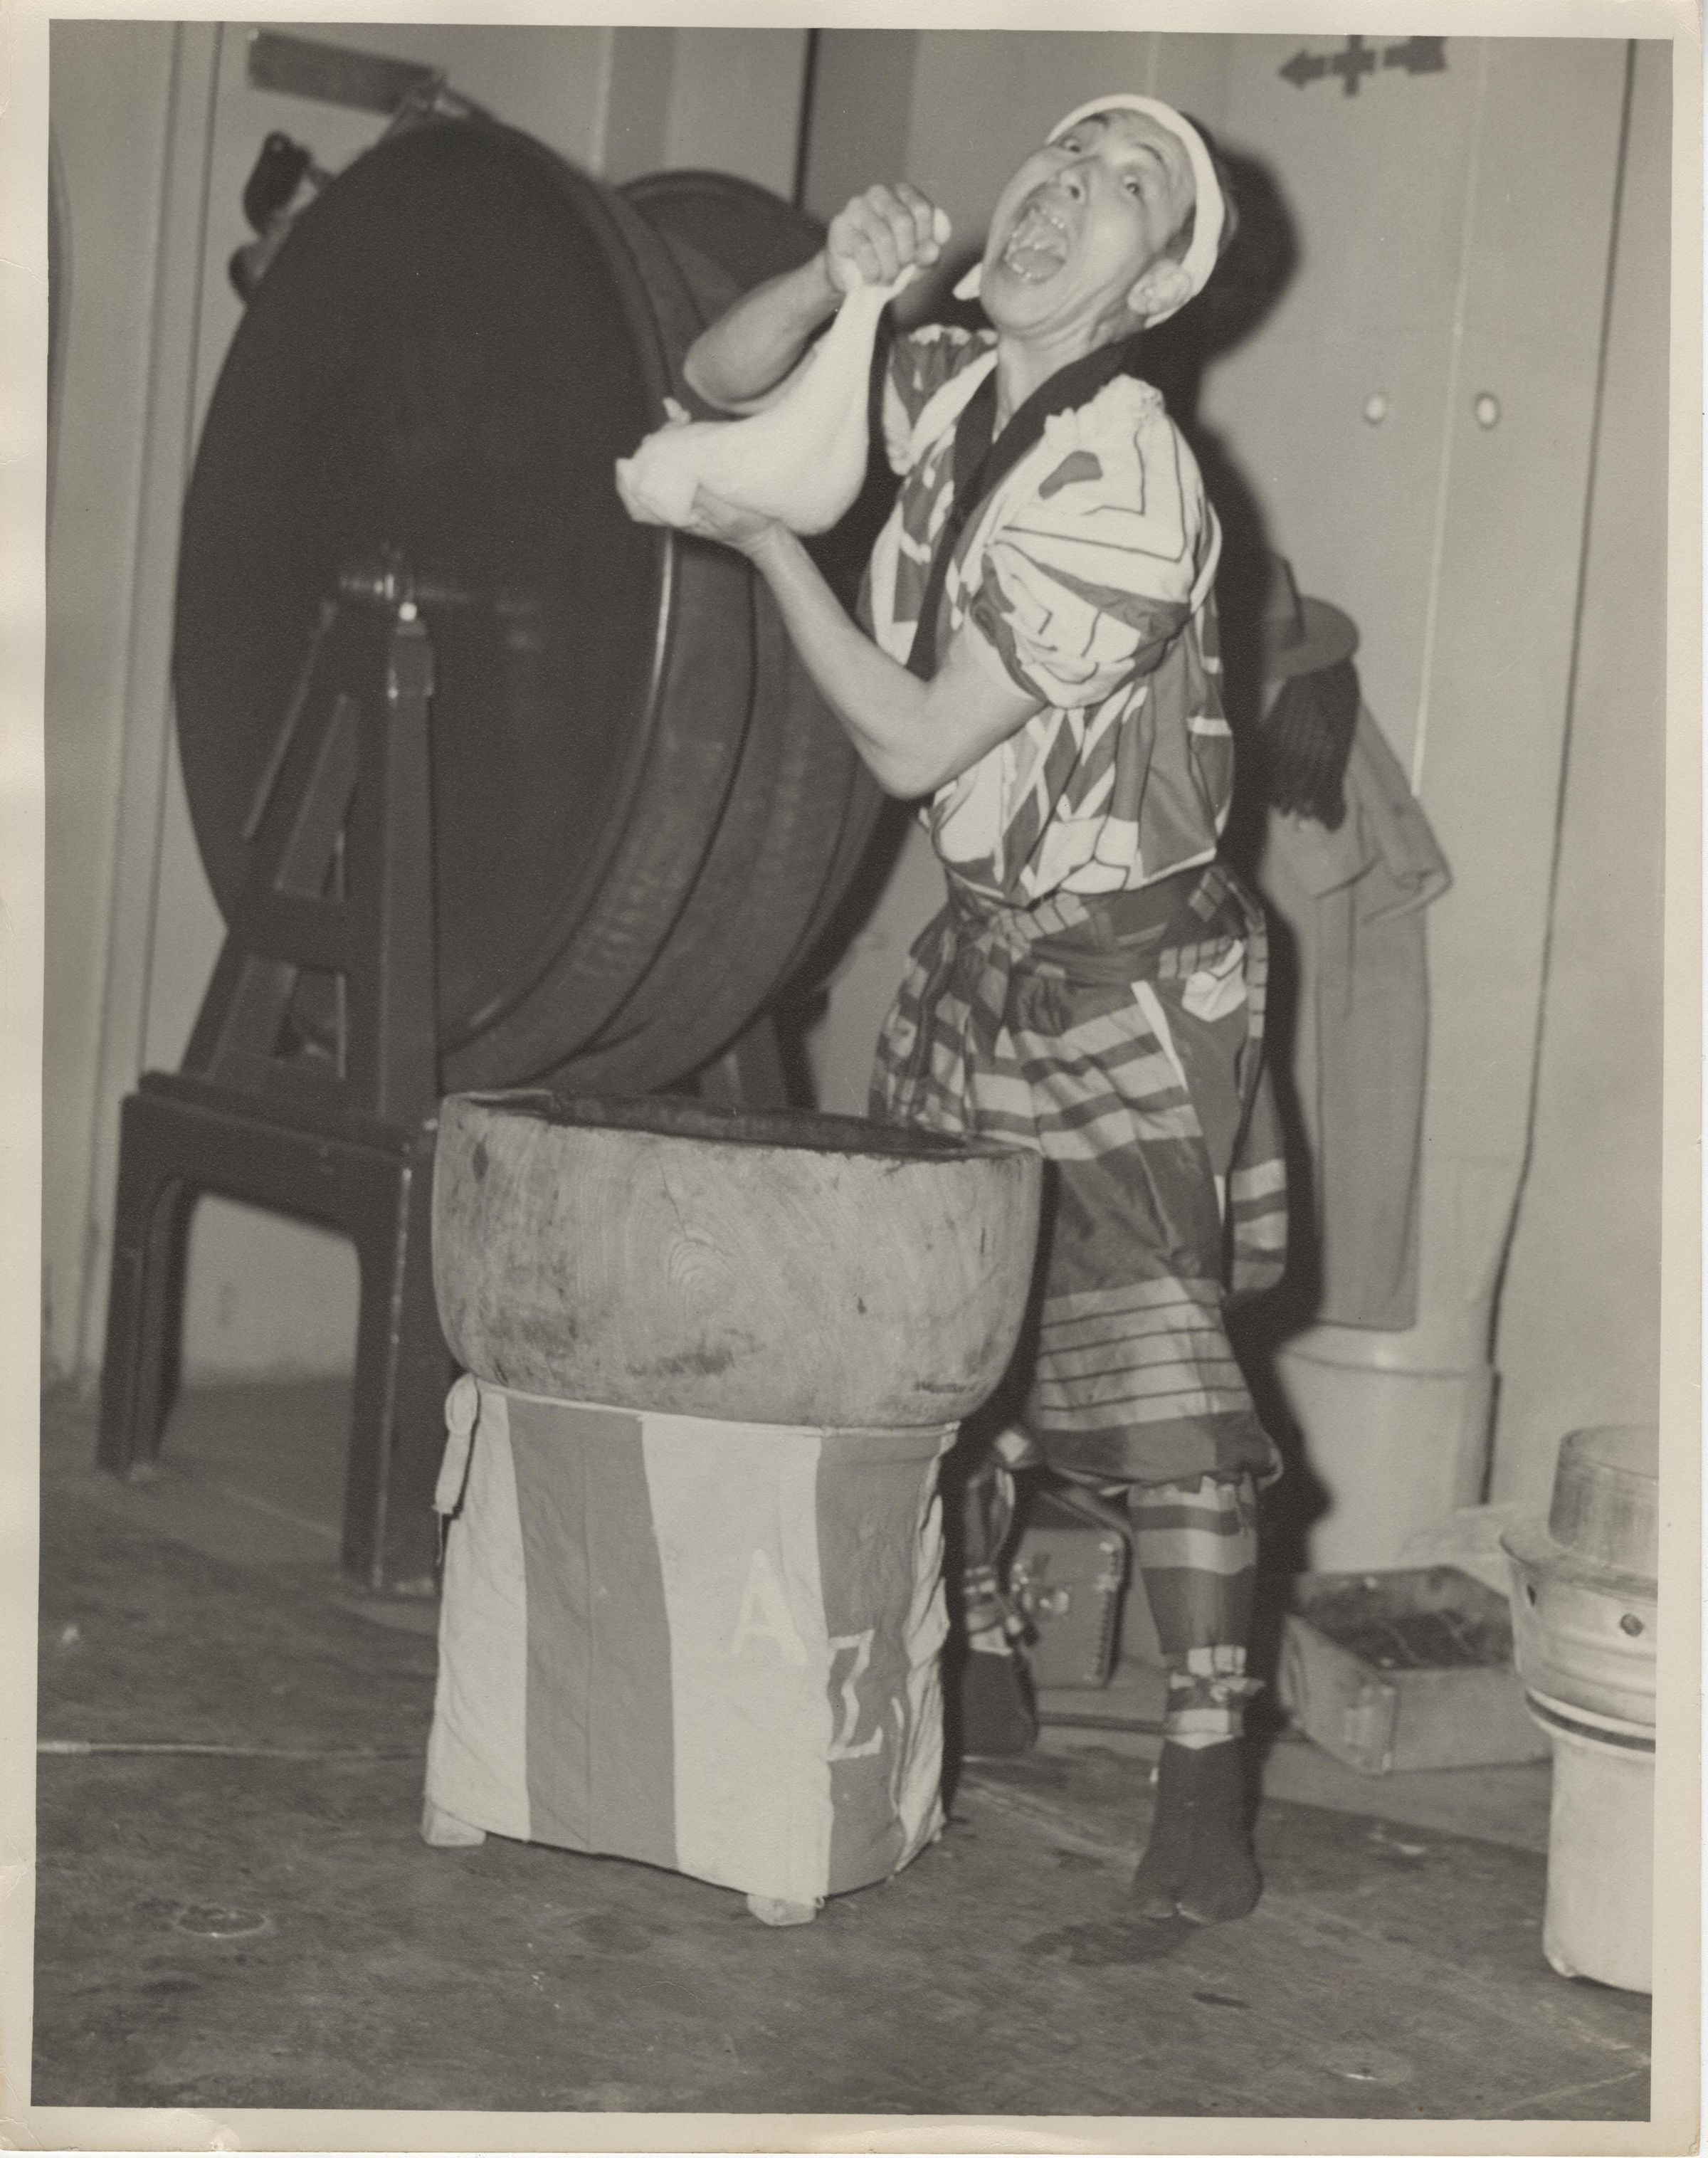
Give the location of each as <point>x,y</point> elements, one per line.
<point>873,239</point>
<point>643,511</point>
<point>745,530</point>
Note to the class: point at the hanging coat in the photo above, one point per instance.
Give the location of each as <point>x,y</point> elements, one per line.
<point>1353,900</point>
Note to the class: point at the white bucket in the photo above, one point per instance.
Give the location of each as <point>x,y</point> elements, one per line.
<point>1598,1922</point>
<point>1395,1449</point>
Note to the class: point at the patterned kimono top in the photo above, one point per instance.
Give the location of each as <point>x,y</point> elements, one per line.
<point>1090,571</point>
<point>1067,999</point>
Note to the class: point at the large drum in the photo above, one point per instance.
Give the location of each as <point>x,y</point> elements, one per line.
<point>644,814</point>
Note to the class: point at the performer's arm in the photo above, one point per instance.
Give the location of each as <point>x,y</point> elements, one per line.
<point>913,735</point>
<point>751,350</point>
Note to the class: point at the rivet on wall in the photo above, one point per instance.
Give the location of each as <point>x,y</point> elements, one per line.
<point>1376,408</point>
<point>1487,410</point>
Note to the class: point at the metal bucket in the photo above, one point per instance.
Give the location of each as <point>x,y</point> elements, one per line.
<point>1598,1920</point>
<point>1582,1633</point>
<point>1583,1598</point>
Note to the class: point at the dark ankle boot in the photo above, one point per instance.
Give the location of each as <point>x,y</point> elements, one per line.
<point>1198,1861</point>
<point>1156,1886</point>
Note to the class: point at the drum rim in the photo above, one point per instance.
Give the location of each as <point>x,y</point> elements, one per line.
<point>1531,1546</point>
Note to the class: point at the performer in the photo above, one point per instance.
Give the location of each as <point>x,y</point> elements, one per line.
<point>1039,661</point>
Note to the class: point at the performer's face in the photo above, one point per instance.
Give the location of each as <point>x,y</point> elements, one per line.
<point>1080,234</point>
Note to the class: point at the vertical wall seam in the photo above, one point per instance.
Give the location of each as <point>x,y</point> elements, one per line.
<point>916,39</point>
<point>1437,545</point>
<point>159,338</point>
<point>803,122</point>
<point>186,456</point>
<point>99,1108</point>
<point>157,445</point>
<point>1545,973</point>
<point>601,110</point>
<point>204,227</point>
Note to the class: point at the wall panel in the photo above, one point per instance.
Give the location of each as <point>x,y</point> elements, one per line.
<point>1578,1340</point>
<point>112,98</point>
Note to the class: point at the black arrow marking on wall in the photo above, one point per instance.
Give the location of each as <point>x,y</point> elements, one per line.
<point>1417,56</point>
<point>1414,55</point>
<point>1302,67</point>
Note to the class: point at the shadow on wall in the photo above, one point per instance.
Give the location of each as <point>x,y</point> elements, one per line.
<point>1251,277</point>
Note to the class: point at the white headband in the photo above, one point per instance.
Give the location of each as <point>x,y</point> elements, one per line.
<point>1210,212</point>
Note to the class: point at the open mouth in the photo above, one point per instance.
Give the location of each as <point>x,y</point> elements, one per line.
<point>1039,244</point>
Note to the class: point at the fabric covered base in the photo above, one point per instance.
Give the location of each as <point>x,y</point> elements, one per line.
<point>712,1647</point>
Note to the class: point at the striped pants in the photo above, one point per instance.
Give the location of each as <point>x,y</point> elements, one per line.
<point>1122,1038</point>
<point>1194,1551</point>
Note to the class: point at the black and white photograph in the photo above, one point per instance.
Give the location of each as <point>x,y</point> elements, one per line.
<point>852,879</point>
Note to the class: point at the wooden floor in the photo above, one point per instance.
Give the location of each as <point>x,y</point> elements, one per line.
<point>262,1927</point>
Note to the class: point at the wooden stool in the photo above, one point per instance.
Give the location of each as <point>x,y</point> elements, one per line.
<point>182,1136</point>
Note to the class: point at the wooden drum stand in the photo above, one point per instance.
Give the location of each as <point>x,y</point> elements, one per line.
<point>340,881</point>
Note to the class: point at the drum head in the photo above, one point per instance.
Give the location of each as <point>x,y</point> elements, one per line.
<point>447,358</point>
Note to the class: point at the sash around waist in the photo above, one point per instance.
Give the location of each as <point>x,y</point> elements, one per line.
<point>1097,937</point>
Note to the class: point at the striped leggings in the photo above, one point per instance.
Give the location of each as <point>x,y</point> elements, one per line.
<point>1194,1550</point>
